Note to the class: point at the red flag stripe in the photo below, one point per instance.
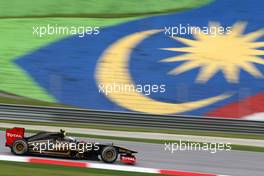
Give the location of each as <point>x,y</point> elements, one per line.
<point>247,106</point>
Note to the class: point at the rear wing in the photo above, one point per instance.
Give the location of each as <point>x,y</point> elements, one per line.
<point>14,134</point>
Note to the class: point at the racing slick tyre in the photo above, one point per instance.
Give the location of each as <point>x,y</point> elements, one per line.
<point>109,154</point>
<point>19,147</point>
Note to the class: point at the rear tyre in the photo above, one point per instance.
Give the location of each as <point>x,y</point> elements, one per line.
<point>109,154</point>
<point>19,147</point>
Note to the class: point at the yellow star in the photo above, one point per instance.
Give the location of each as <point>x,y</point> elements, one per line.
<point>222,52</point>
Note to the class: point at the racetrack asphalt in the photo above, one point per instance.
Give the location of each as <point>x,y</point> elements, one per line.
<point>235,163</point>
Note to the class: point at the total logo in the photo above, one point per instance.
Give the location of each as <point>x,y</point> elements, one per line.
<point>13,135</point>
<point>128,158</point>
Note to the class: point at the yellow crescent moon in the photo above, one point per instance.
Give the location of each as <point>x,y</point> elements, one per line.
<point>112,67</point>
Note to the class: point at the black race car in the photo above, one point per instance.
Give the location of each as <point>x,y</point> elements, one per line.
<point>57,144</point>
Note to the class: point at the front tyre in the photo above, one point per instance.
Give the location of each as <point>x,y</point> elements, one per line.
<point>109,154</point>
<point>19,147</point>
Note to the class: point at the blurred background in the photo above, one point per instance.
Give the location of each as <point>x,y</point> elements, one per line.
<point>31,73</point>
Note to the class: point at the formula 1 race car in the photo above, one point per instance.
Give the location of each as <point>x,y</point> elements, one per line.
<point>57,144</point>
